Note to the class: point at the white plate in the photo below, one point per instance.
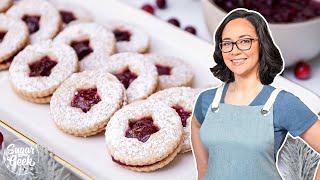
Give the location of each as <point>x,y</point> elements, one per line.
<point>89,154</point>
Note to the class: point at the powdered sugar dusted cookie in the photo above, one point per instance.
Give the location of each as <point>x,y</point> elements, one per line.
<point>39,69</point>
<point>144,135</point>
<point>84,103</point>
<point>71,12</point>
<point>5,4</point>
<point>129,37</point>
<point>42,19</point>
<point>173,71</point>
<point>92,43</point>
<point>137,74</point>
<point>181,99</point>
<point>13,37</point>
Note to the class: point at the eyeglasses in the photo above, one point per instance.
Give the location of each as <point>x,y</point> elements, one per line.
<point>242,44</point>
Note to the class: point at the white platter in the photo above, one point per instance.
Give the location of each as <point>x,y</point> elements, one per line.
<point>89,154</point>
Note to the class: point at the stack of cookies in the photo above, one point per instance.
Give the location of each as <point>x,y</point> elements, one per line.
<point>99,77</point>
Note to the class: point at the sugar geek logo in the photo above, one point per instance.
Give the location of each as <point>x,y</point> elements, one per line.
<point>19,157</point>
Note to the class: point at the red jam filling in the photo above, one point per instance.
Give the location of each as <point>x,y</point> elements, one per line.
<point>141,128</point>
<point>2,34</point>
<point>82,48</point>
<point>184,115</point>
<point>85,99</point>
<point>163,70</point>
<point>122,35</point>
<point>32,23</point>
<point>41,67</point>
<point>126,77</point>
<point>123,164</point>
<point>67,16</point>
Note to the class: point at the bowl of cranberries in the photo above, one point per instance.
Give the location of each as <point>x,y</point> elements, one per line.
<point>295,24</point>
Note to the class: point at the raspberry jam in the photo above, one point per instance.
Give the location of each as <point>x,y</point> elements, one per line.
<point>126,77</point>
<point>82,48</point>
<point>184,115</point>
<point>32,23</point>
<point>2,34</point>
<point>163,70</point>
<point>141,128</point>
<point>67,16</point>
<point>41,67</point>
<point>85,99</point>
<point>122,35</point>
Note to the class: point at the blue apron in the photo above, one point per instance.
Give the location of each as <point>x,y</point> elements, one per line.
<point>240,140</point>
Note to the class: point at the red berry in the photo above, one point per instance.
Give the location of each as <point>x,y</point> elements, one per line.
<point>302,70</point>
<point>174,21</point>
<point>148,8</point>
<point>161,4</point>
<point>191,30</point>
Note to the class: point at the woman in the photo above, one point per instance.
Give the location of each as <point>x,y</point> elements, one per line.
<point>233,134</point>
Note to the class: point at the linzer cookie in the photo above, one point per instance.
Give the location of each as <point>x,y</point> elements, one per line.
<point>144,136</point>
<point>42,19</point>
<point>39,69</point>
<point>92,43</point>
<point>173,71</point>
<point>71,12</point>
<point>13,37</point>
<point>137,74</point>
<point>84,103</point>
<point>5,4</point>
<point>129,37</point>
<point>181,99</point>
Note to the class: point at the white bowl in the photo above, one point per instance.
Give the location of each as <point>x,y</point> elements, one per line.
<point>297,41</point>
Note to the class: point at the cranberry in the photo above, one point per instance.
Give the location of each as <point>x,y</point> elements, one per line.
<point>85,99</point>
<point>2,34</point>
<point>32,23</point>
<point>148,8</point>
<point>184,115</point>
<point>126,77</point>
<point>141,128</point>
<point>191,30</point>
<point>67,16</point>
<point>276,11</point>
<point>122,35</point>
<point>163,70</point>
<point>174,21</point>
<point>82,48</point>
<point>162,4</point>
<point>302,70</point>
<point>41,67</point>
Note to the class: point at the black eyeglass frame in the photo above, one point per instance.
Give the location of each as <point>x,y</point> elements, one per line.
<point>235,43</point>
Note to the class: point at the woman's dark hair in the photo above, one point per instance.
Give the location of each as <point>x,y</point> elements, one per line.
<point>270,60</point>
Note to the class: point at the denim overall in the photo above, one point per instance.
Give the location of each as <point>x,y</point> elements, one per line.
<point>240,140</point>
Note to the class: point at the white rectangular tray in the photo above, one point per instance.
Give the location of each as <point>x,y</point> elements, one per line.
<point>89,154</point>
